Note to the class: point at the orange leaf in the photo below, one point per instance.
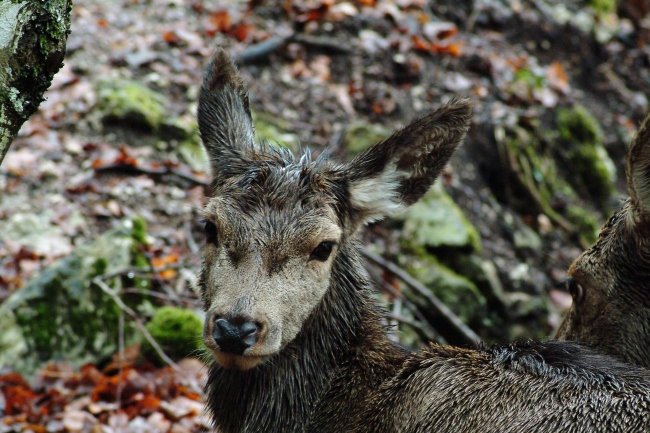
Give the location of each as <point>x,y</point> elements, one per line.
<point>241,31</point>
<point>171,38</point>
<point>221,20</point>
<point>420,44</point>
<point>557,77</point>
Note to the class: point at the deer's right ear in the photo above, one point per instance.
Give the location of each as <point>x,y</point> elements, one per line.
<point>224,115</point>
<point>397,172</point>
<point>638,172</point>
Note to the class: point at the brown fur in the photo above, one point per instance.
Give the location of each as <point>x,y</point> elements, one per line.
<point>610,282</point>
<point>323,362</point>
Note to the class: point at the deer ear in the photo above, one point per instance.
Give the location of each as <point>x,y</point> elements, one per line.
<point>638,172</point>
<point>224,114</point>
<point>397,172</point>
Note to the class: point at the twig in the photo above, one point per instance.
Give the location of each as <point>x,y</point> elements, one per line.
<point>327,44</point>
<point>160,295</point>
<point>262,49</point>
<point>422,329</point>
<point>138,323</point>
<point>120,382</point>
<point>139,271</point>
<point>191,244</point>
<point>441,309</point>
<point>431,331</point>
<point>157,171</point>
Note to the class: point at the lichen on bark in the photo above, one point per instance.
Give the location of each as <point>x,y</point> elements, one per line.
<point>33,34</point>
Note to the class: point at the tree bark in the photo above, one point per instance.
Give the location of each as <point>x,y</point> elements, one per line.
<point>33,34</point>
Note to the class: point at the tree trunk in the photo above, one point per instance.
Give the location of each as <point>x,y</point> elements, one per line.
<point>33,34</point>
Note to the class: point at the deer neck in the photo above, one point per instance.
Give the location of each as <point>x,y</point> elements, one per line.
<point>281,395</point>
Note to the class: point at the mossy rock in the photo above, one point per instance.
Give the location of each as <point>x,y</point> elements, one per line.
<point>582,132</point>
<point>577,124</point>
<point>454,290</point>
<point>585,222</point>
<point>178,331</point>
<point>360,135</point>
<point>274,131</point>
<point>59,314</point>
<point>437,222</point>
<point>603,6</point>
<point>596,169</point>
<point>132,104</point>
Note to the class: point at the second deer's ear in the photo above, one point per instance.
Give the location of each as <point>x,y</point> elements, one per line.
<point>397,172</point>
<point>224,115</point>
<point>638,172</point>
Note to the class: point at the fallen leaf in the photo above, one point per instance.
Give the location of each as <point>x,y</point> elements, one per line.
<point>557,77</point>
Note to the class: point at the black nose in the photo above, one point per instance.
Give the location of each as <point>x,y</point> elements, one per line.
<point>235,335</point>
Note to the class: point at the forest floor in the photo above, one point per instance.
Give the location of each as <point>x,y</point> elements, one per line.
<point>80,167</point>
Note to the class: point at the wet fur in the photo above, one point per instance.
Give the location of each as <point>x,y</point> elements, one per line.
<point>614,315</point>
<point>340,373</point>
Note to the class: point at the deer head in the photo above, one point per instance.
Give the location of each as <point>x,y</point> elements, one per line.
<point>610,283</point>
<point>275,224</point>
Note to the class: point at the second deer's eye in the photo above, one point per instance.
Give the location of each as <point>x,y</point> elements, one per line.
<point>322,251</point>
<point>210,233</point>
<point>576,290</point>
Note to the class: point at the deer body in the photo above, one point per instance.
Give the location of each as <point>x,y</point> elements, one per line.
<point>290,317</point>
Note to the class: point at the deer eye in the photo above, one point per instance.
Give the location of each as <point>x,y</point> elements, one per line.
<point>322,251</point>
<point>210,233</point>
<point>576,290</point>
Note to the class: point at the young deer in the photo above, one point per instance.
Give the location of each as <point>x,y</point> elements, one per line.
<point>290,316</point>
<point>610,283</point>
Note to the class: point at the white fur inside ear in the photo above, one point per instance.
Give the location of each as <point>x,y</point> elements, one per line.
<point>379,196</point>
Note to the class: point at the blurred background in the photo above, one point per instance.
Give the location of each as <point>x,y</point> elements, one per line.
<point>101,193</point>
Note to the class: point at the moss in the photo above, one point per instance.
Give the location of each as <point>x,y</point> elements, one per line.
<point>584,137</point>
<point>454,290</point>
<point>577,124</point>
<point>139,230</point>
<point>178,332</point>
<point>131,103</point>
<point>60,314</point>
<point>361,135</point>
<point>596,169</point>
<point>274,130</point>
<point>437,222</point>
<point>585,222</point>
<point>603,6</point>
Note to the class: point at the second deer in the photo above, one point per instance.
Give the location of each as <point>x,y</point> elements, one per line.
<point>610,283</point>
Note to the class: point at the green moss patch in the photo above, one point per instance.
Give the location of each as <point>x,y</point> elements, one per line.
<point>132,104</point>
<point>178,332</point>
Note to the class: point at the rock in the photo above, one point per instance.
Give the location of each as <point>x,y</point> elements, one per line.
<point>457,292</point>
<point>60,315</point>
<point>178,332</point>
<point>526,238</point>
<point>437,222</point>
<point>37,233</point>
<point>132,104</point>
<point>185,131</point>
<point>274,130</point>
<point>588,157</point>
<point>361,135</point>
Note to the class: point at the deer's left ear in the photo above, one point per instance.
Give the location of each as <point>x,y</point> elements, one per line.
<point>397,172</point>
<point>638,172</point>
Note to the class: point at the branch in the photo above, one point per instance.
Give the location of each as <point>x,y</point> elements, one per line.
<point>33,34</point>
<point>136,319</point>
<point>448,316</point>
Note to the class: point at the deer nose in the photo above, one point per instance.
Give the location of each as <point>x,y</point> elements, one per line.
<point>235,335</point>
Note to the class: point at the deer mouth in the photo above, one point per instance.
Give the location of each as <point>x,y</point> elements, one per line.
<point>231,361</point>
